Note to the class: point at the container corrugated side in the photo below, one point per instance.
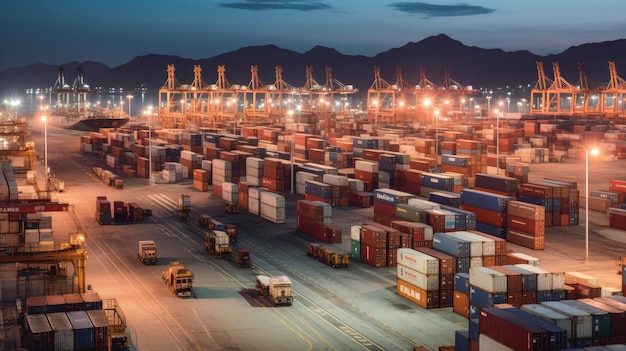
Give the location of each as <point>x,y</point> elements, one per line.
<point>475,243</point>
<point>556,318</point>
<point>451,245</point>
<point>83,330</point>
<point>511,330</point>
<point>557,335</point>
<point>582,321</point>
<point>418,261</point>
<point>488,279</point>
<point>484,200</point>
<point>601,320</point>
<point>63,331</point>
<point>544,277</point>
<point>487,343</point>
<point>422,281</point>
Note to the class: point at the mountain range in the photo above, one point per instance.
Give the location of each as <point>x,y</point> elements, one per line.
<point>468,65</point>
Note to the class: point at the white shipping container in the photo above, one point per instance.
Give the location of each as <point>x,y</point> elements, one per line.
<point>418,261</point>
<point>333,179</point>
<point>273,214</point>
<point>254,172</point>
<point>366,166</point>
<point>31,235</point>
<point>302,177</point>
<point>355,232</point>
<point>230,196</point>
<point>207,165</point>
<point>62,329</point>
<point>221,164</point>
<point>488,279</point>
<point>423,204</point>
<point>581,277</point>
<point>221,172</point>
<point>423,281</point>
<point>230,187</point>
<point>582,322</point>
<point>475,244</point>
<point>253,206</point>
<point>300,188</point>
<point>558,280</point>
<point>254,162</point>
<point>356,184</point>
<point>272,199</point>
<point>488,245</point>
<point>476,261</point>
<point>531,260</point>
<point>544,278</point>
<point>253,180</point>
<point>254,193</point>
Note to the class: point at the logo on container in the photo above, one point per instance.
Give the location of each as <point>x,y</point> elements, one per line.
<point>410,292</point>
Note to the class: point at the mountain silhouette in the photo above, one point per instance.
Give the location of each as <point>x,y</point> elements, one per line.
<point>468,65</point>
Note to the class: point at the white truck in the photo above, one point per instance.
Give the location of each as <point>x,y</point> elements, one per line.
<point>147,251</point>
<point>276,289</point>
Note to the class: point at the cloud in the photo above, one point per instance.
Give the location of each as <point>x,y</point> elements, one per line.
<point>262,5</point>
<point>432,10</point>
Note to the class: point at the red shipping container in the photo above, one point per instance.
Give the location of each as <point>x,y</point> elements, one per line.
<point>531,241</point>
<point>446,298</point>
<point>310,209</point>
<point>360,199</point>
<point>617,220</point>
<point>384,209</point>
<point>311,197</point>
<point>217,190</point>
<point>495,218</point>
<point>332,234</point>
<point>515,299</point>
<point>512,331</point>
<point>529,297</point>
<point>514,279</point>
<point>392,257</point>
<point>373,256</point>
<point>526,225</point>
<point>373,236</point>
<point>310,227</point>
<point>384,220</point>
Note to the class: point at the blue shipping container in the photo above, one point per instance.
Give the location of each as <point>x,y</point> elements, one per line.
<point>486,200</point>
<point>529,279</point>
<point>84,333</point>
<point>438,181</point>
<point>318,189</point>
<point>491,229</point>
<point>451,245</point>
<point>483,298</point>
<point>461,340</point>
<point>446,198</point>
<point>461,283</point>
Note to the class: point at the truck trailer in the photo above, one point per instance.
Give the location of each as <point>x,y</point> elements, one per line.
<point>147,251</point>
<point>217,243</point>
<point>178,278</point>
<point>276,289</point>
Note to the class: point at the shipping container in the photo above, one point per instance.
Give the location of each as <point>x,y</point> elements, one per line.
<point>582,322</point>
<point>451,245</point>
<point>418,261</point>
<point>557,335</point>
<point>422,281</point>
<point>617,318</point>
<point>554,317</point>
<point>512,331</point>
<point>482,298</point>
<point>486,200</point>
<point>63,331</point>
<point>488,279</point>
<point>601,320</point>
<point>425,299</point>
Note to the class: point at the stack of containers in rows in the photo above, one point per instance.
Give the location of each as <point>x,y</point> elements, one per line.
<point>367,171</point>
<point>235,159</point>
<point>563,206</point>
<point>385,202</point>
<point>446,275</point>
<point>103,210</point>
<point>191,141</point>
<point>373,245</point>
<point>577,323</point>
<point>408,180</point>
<point>386,171</point>
<point>318,191</point>
<point>230,192</point>
<point>550,286</point>
<point>557,336</point>
<point>518,171</point>
<point>272,207</point>
<point>314,218</point>
<point>221,172</point>
<point>191,161</point>
<point>486,288</point>
<point>172,172</point>
<point>254,170</point>
<point>617,213</point>
<point>254,200</point>
<point>474,150</point>
<point>361,143</point>
<point>201,179</point>
<point>436,182</point>
<point>414,234</point>
<point>600,321</point>
<point>461,164</point>
<point>580,285</point>
<point>273,174</point>
<point>526,224</point>
<point>447,219</point>
<point>425,147</point>
<point>301,178</point>
<point>490,210</point>
<point>418,277</point>
<point>617,315</point>
<point>501,330</point>
<point>340,188</point>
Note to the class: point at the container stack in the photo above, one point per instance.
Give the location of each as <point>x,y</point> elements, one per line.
<point>120,212</point>
<point>565,203</point>
<point>103,210</point>
<point>385,202</point>
<point>550,286</point>
<point>221,172</point>
<point>436,182</point>
<point>230,192</point>
<point>314,218</point>
<point>201,179</point>
<point>192,142</point>
<point>235,161</point>
<point>386,171</point>
<point>526,224</point>
<point>135,212</point>
<point>461,164</point>
<point>373,241</point>
<point>367,171</point>
<point>273,174</point>
<point>577,323</point>
<point>254,170</point>
<point>191,160</point>
<point>340,188</point>
<point>408,180</point>
<point>414,234</point>
<point>272,207</point>
<point>446,275</point>
<point>302,178</point>
<point>497,184</point>
<point>254,200</point>
<point>418,277</point>
<point>490,210</point>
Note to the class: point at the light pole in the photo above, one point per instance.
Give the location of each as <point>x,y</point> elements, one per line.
<point>594,152</point>
<point>45,149</point>
<point>427,104</point>
<point>291,186</point>
<point>150,145</point>
<point>375,102</point>
<point>488,106</point>
<point>129,97</point>
<point>437,138</point>
<point>497,143</point>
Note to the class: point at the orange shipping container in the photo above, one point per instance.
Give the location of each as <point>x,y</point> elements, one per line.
<point>426,299</point>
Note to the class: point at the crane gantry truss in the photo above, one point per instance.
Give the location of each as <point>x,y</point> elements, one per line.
<point>209,105</point>
<point>557,97</point>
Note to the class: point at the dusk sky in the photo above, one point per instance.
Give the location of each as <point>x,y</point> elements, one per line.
<point>115,31</point>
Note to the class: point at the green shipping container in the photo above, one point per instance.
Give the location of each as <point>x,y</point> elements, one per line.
<point>355,251</point>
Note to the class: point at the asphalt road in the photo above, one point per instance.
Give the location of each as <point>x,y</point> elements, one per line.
<point>354,308</point>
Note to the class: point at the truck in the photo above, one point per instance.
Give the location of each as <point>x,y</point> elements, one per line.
<point>243,258</point>
<point>276,289</point>
<point>217,243</point>
<point>147,251</point>
<point>178,278</point>
<point>214,224</point>
<point>184,206</point>
<point>327,256</point>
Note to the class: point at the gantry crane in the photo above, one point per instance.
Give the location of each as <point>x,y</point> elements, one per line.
<point>381,98</point>
<point>612,98</point>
